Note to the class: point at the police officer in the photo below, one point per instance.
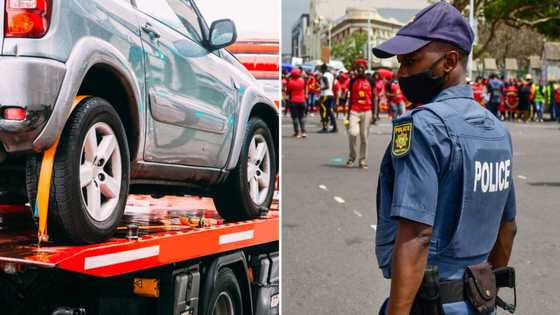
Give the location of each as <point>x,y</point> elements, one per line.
<point>445,194</point>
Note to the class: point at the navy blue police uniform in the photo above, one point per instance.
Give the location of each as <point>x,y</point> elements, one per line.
<point>449,164</point>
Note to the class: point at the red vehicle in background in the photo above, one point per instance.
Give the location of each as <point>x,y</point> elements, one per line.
<point>262,58</point>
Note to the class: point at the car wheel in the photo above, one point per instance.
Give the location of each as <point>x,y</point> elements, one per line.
<point>225,297</point>
<point>90,179</point>
<point>250,186</point>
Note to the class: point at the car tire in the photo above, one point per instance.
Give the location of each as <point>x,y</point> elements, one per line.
<point>225,297</point>
<point>250,186</point>
<point>91,175</point>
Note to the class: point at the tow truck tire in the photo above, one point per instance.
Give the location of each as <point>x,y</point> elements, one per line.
<point>225,297</point>
<point>250,186</point>
<point>90,179</point>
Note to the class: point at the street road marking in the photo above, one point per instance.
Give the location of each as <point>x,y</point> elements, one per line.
<point>521,177</point>
<point>374,227</point>
<point>323,187</point>
<point>338,199</point>
<point>122,257</point>
<point>357,213</point>
<point>236,237</point>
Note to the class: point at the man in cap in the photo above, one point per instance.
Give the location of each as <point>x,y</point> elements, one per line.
<point>445,199</point>
<point>361,89</point>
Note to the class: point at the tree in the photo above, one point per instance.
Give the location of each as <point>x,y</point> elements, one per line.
<point>350,49</point>
<point>542,16</point>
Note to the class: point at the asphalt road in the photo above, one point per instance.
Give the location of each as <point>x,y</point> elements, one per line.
<point>329,218</point>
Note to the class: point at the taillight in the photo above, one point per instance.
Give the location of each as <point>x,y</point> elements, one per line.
<point>14,113</point>
<point>27,18</point>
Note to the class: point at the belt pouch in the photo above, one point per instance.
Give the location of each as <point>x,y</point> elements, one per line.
<point>480,287</point>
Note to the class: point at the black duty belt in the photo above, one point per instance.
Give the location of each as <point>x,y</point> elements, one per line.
<point>452,291</point>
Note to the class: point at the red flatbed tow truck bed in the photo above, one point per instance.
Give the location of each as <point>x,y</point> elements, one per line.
<point>156,234</point>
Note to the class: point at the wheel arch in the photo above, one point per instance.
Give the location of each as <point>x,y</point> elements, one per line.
<point>270,117</point>
<point>90,57</point>
<point>237,262</point>
<point>254,105</point>
<point>103,80</point>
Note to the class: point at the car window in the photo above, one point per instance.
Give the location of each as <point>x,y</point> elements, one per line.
<point>178,14</point>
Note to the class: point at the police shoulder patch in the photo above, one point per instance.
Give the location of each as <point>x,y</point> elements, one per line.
<point>402,138</point>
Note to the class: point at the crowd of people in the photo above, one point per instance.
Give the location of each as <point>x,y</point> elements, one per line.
<point>360,96</point>
<point>518,99</point>
<point>328,92</point>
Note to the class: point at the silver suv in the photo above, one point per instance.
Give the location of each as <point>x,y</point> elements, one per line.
<point>140,96</point>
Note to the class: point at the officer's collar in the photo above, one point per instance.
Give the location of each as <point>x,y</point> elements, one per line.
<point>456,91</point>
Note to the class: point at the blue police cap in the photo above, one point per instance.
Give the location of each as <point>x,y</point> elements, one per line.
<point>440,21</point>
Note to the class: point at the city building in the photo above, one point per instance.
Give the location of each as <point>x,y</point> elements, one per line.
<point>361,20</point>
<point>551,61</point>
<point>300,48</point>
<point>329,18</point>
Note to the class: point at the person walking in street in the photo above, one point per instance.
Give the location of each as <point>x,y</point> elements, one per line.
<point>359,113</point>
<point>556,99</point>
<point>285,105</point>
<point>296,97</point>
<point>495,90</point>
<point>312,91</point>
<point>395,99</point>
<point>378,98</point>
<point>511,100</point>
<point>524,91</point>
<point>344,81</point>
<point>539,102</point>
<point>327,100</point>
<point>446,199</point>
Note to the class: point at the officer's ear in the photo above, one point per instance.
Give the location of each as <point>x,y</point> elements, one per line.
<point>452,59</point>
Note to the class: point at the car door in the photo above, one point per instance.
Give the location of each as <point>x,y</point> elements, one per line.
<point>191,93</point>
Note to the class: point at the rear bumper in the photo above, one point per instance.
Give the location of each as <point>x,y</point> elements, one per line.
<point>33,84</point>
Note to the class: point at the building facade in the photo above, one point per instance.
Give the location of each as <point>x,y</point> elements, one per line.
<point>300,32</point>
<point>331,21</point>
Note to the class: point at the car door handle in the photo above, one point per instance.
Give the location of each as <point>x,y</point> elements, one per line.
<point>148,29</point>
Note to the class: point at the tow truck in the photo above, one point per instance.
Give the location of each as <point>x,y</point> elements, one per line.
<point>170,255</point>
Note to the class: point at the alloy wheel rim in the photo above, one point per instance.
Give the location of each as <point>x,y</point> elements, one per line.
<point>258,169</point>
<point>100,171</point>
<point>223,305</point>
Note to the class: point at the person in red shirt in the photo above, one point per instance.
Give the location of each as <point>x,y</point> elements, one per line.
<point>296,98</point>
<point>359,112</point>
<point>336,92</point>
<point>313,87</point>
<point>285,105</point>
<point>511,100</point>
<point>478,90</point>
<point>395,99</point>
<point>344,82</point>
<point>379,97</point>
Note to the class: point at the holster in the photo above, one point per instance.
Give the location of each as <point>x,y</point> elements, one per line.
<point>428,300</point>
<point>480,287</point>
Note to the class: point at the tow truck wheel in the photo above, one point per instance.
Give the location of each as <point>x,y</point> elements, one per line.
<point>251,185</point>
<point>225,298</point>
<point>90,175</point>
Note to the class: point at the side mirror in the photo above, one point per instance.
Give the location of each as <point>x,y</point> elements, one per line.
<point>222,34</point>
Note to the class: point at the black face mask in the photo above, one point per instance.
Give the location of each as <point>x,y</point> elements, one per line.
<point>422,87</point>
